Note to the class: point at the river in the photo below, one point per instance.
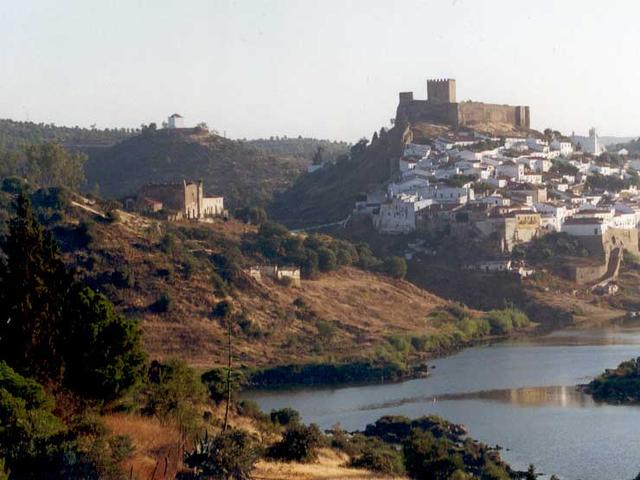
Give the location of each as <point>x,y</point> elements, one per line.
<point>518,394</point>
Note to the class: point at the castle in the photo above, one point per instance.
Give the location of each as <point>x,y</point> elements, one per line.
<point>181,200</point>
<point>441,107</point>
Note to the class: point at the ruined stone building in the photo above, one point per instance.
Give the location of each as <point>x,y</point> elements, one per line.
<point>180,200</point>
<point>442,106</point>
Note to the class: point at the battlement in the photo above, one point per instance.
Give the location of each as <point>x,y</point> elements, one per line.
<point>441,90</point>
<point>441,107</point>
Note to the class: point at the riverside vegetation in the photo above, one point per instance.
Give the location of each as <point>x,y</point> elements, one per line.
<point>618,385</point>
<point>69,361</point>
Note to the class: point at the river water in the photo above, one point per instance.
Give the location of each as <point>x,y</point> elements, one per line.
<point>519,394</point>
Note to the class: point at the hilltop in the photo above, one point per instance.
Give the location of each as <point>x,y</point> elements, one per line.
<point>242,174</point>
<point>329,194</point>
<point>14,135</point>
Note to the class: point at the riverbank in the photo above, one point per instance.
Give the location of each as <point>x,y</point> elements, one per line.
<point>518,393</point>
<point>620,385</point>
<point>366,372</point>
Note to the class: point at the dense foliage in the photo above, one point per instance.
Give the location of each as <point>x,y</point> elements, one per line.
<point>300,443</point>
<point>54,327</point>
<point>230,455</point>
<point>548,248</point>
<point>15,135</point>
<point>300,147</point>
<point>44,165</point>
<point>620,385</point>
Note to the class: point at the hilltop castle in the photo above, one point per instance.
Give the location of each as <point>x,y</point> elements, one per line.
<point>441,107</point>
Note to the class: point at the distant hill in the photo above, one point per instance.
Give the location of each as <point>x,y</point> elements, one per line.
<point>301,147</point>
<point>632,145</point>
<point>241,173</point>
<point>14,135</point>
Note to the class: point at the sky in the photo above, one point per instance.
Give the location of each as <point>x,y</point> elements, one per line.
<point>327,69</point>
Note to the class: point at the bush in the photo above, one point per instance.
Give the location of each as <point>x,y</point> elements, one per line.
<point>285,417</point>
<point>327,260</point>
<point>163,304</point>
<point>428,458</point>
<point>229,455</point>
<point>122,277</point>
<point>395,267</point>
<point>381,457</point>
<point>174,390</point>
<point>310,264</point>
<point>249,408</point>
<point>300,443</point>
<point>326,330</point>
<point>216,381</point>
<point>503,321</point>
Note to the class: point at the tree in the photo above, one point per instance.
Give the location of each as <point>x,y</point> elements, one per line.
<point>174,390</point>
<point>396,267</point>
<point>428,458</point>
<point>318,156</point>
<point>285,416</point>
<point>53,327</point>
<point>531,473</point>
<point>327,260</point>
<point>300,443</point>
<point>229,455</point>
<point>50,165</point>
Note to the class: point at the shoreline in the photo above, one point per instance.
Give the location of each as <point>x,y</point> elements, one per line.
<point>414,368</point>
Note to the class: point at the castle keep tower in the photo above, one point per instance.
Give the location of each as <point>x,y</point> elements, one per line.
<point>441,91</point>
<point>441,106</point>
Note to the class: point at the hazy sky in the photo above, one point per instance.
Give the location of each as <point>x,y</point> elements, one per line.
<point>316,68</point>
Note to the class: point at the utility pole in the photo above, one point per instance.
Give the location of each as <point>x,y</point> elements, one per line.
<point>226,410</point>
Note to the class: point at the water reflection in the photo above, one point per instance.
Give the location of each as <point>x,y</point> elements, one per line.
<point>557,396</point>
<point>496,392</point>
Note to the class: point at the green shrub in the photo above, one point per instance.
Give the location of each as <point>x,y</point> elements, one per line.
<point>163,304</point>
<point>122,277</point>
<point>174,390</point>
<point>310,264</point>
<point>327,260</point>
<point>216,382</point>
<point>428,458</point>
<point>395,267</point>
<point>326,330</point>
<point>230,455</point>
<point>381,457</point>
<point>300,443</point>
<point>249,408</point>
<point>505,320</point>
<point>399,343</point>
<point>285,417</point>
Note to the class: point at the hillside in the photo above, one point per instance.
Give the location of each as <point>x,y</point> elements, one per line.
<point>174,278</point>
<point>14,135</point>
<point>300,147</point>
<point>328,195</point>
<point>241,174</point>
<point>278,324</point>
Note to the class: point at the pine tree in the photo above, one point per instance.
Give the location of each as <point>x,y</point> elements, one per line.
<point>53,327</point>
<point>33,282</point>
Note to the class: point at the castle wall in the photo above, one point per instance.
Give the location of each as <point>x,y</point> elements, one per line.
<point>478,112</point>
<point>423,110</point>
<point>461,114</point>
<point>600,248</point>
